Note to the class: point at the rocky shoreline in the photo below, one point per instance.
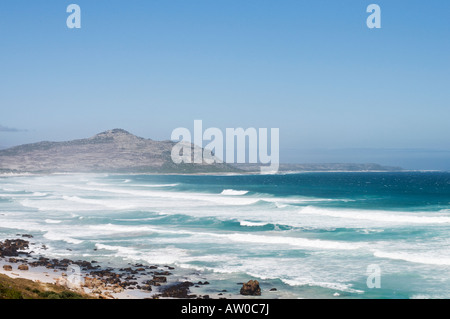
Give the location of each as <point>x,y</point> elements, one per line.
<point>91,278</point>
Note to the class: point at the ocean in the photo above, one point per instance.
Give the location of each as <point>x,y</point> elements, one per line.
<point>309,235</point>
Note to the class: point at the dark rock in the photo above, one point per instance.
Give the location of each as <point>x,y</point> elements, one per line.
<point>273,289</point>
<point>146,288</point>
<point>84,264</point>
<point>251,288</point>
<point>178,290</point>
<point>7,267</point>
<point>23,267</point>
<point>11,248</point>
<point>156,281</point>
<point>162,273</point>
<point>160,279</point>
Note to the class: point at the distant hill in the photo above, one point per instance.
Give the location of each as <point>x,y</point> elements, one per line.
<point>113,151</point>
<point>325,167</point>
<point>118,151</point>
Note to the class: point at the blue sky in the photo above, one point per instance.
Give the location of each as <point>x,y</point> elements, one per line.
<point>338,91</point>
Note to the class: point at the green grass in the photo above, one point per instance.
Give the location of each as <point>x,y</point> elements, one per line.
<point>18,288</point>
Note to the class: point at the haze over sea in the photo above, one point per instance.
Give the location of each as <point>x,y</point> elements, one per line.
<point>308,234</point>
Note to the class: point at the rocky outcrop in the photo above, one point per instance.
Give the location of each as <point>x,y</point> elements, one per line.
<point>62,264</point>
<point>251,288</point>
<point>100,282</point>
<point>11,248</point>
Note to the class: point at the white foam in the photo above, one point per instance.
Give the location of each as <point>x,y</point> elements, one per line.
<point>394,217</point>
<point>21,224</point>
<point>279,205</point>
<point>233,192</point>
<point>329,285</point>
<point>111,203</point>
<point>194,198</point>
<point>56,205</point>
<point>157,185</point>
<point>124,250</point>
<point>34,194</point>
<point>290,241</point>
<point>426,259</point>
<point>115,229</point>
<point>167,255</point>
<point>53,235</point>
<point>238,237</point>
<point>251,224</point>
<point>53,221</point>
<point>40,194</point>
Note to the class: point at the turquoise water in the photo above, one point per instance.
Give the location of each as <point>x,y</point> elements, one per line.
<point>309,235</point>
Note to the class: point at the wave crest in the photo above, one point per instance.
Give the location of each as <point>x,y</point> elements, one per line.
<point>232,192</point>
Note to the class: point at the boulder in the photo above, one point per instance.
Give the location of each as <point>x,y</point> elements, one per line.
<point>177,290</point>
<point>251,288</point>
<point>159,279</point>
<point>23,267</point>
<point>7,267</point>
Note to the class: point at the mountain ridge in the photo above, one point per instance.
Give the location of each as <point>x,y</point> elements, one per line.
<point>119,151</point>
<point>114,150</point>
